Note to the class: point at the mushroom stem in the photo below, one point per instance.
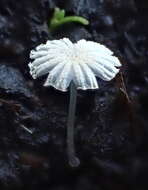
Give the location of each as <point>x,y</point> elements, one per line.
<point>73,160</point>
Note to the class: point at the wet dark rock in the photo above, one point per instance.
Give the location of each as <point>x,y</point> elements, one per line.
<point>129,6</point>
<point>111,123</point>
<point>12,81</point>
<point>83,7</point>
<point>74,32</point>
<point>22,25</point>
<point>9,175</point>
<point>109,168</point>
<point>105,134</point>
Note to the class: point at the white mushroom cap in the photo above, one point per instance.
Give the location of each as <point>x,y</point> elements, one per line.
<point>79,62</point>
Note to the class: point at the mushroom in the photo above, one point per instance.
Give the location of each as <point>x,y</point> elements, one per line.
<point>76,65</point>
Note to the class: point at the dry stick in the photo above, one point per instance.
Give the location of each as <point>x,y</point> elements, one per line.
<point>73,160</point>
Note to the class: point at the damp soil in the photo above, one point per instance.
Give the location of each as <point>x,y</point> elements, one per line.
<point>111,129</point>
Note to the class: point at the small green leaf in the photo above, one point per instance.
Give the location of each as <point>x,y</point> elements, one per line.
<point>59,14</point>
<point>59,18</point>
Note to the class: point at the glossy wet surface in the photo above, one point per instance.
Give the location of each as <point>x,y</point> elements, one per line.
<point>111,123</point>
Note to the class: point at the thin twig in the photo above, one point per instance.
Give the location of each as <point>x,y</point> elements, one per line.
<point>26,129</point>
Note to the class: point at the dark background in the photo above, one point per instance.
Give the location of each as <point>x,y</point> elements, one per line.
<point>111,132</point>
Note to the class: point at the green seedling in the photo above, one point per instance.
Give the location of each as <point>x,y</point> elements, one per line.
<point>59,19</point>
